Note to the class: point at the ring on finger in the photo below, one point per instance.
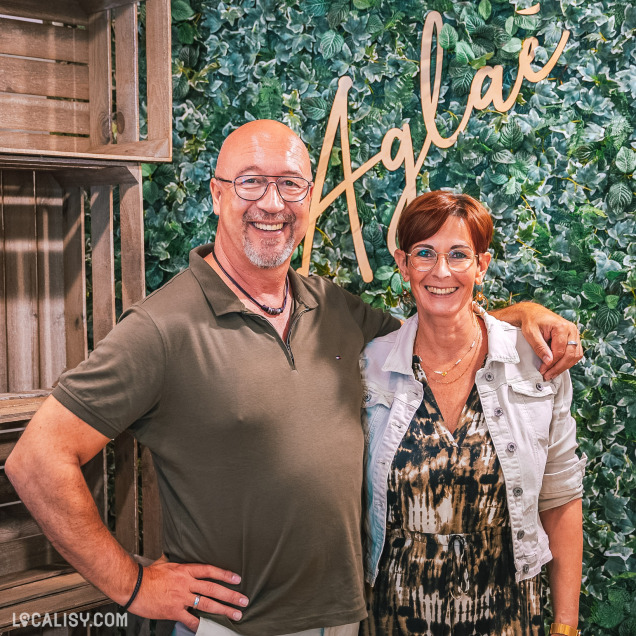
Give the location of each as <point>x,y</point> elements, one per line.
<point>573,342</point>
<point>197,599</point>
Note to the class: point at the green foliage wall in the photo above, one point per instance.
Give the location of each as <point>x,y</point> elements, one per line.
<point>556,172</point>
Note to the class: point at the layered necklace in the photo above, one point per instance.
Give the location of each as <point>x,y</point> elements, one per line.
<point>271,311</point>
<point>474,347</point>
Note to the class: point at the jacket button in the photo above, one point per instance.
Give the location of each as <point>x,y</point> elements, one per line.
<point>512,447</point>
<point>526,569</point>
<point>366,396</point>
<point>517,492</point>
<point>490,377</point>
<point>498,412</point>
<point>521,534</point>
<point>539,386</point>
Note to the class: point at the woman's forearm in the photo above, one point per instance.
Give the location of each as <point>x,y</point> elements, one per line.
<point>564,527</point>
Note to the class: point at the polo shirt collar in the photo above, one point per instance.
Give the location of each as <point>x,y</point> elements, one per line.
<point>221,298</point>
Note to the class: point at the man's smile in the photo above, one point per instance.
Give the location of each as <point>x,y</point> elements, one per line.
<point>268,227</point>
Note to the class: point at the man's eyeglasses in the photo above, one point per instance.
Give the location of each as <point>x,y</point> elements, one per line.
<point>424,259</point>
<point>251,187</point>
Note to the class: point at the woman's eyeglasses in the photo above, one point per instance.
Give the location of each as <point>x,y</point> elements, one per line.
<point>424,259</point>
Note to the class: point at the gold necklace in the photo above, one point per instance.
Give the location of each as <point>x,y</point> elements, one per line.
<point>472,346</point>
<point>475,349</point>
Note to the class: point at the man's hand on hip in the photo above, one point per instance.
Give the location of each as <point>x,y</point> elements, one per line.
<point>169,590</point>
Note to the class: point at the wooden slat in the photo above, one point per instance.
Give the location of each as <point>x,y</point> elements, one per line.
<point>3,304</point>
<point>151,514</point>
<point>78,598</point>
<point>59,163</point>
<point>100,74</point>
<point>93,6</point>
<point>41,588</point>
<point>38,77</point>
<point>70,177</point>
<point>126,497</point>
<point>103,284</point>
<point>44,41</point>
<point>41,114</point>
<point>16,523</point>
<point>8,494</point>
<point>140,155</point>
<point>74,278</point>
<point>144,151</point>
<point>24,554</point>
<point>15,408</point>
<point>8,439</point>
<point>21,280</point>
<point>131,218</point>
<point>25,142</point>
<point>103,261</point>
<point>50,232</point>
<point>159,79</point>
<point>34,574</point>
<point>66,11</point>
<point>127,73</point>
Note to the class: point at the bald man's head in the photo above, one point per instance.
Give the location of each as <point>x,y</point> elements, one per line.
<point>265,231</point>
<point>264,133</point>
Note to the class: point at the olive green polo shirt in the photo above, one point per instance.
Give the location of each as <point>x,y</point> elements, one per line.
<point>257,442</point>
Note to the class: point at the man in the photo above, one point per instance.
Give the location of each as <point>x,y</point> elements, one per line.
<point>242,378</point>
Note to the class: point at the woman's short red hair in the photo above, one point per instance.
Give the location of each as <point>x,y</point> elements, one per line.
<point>426,214</point>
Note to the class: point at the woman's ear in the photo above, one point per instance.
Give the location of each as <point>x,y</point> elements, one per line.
<point>482,264</point>
<point>400,258</point>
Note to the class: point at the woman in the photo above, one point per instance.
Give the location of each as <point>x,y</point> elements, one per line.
<point>473,483</point>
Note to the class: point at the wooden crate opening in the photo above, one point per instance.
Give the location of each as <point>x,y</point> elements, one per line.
<point>66,91</point>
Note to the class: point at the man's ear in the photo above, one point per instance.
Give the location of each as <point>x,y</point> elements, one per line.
<point>215,191</point>
<point>400,258</point>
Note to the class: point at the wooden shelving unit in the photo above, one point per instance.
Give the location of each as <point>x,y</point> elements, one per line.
<point>70,135</point>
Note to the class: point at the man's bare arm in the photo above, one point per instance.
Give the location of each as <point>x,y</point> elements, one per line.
<point>540,326</point>
<point>45,469</point>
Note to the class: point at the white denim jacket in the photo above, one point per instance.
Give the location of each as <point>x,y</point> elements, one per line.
<point>528,419</point>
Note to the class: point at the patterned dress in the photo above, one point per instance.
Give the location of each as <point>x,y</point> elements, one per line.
<point>447,568</point>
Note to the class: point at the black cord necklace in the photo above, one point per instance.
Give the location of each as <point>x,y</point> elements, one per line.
<point>272,311</point>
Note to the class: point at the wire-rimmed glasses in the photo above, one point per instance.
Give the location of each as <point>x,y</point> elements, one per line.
<point>424,259</point>
<point>251,187</point>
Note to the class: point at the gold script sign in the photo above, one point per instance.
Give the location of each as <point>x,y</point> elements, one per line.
<point>477,99</point>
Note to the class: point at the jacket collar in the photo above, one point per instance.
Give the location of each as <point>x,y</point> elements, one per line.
<point>501,344</point>
<point>222,299</point>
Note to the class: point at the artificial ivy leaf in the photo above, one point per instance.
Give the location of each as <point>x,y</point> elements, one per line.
<point>480,61</point>
<point>498,179</point>
<point>462,79</point>
<point>147,169</point>
<point>180,87</point>
<point>385,272</point>
<point>316,7</point>
<point>375,24</point>
<point>151,192</point>
<point>315,107</point>
<point>331,44</point>
<point>448,37</point>
<point>485,9</point>
<point>511,136</point>
<point>472,23</point>
<point>396,284</point>
<point>503,156</point>
<point>612,301</point>
<point>512,46</point>
<point>626,160</point>
<point>620,196</point>
<point>606,616</point>
<point>186,32</point>
<point>362,4</point>
<point>463,52</point>
<point>510,26</point>
<point>527,22</point>
<point>594,292</point>
<point>181,10</point>
<point>607,318</point>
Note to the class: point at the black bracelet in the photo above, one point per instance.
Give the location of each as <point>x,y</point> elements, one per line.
<point>137,586</point>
